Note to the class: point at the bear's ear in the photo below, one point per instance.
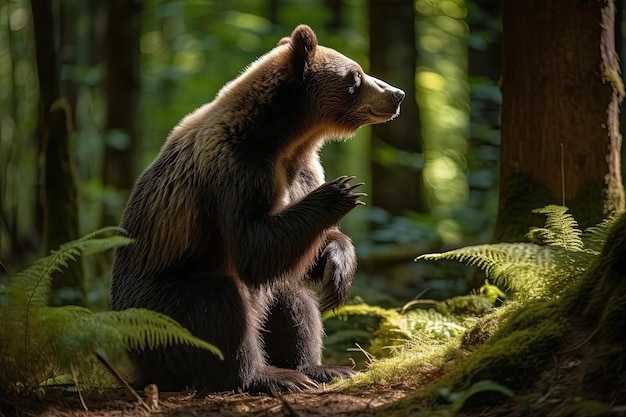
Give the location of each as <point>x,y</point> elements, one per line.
<point>303,43</point>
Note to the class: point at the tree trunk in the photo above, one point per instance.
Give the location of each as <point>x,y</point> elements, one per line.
<point>560,132</point>
<point>393,56</point>
<point>338,16</point>
<point>273,8</point>
<point>484,61</point>
<point>60,205</point>
<point>123,93</point>
<point>620,47</point>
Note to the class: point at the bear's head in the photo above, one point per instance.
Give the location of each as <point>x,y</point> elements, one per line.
<point>342,97</point>
<point>302,91</point>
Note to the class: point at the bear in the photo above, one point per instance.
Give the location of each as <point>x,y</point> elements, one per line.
<point>234,224</point>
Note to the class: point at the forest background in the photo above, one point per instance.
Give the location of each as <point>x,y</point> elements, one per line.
<point>511,106</point>
<point>129,71</point>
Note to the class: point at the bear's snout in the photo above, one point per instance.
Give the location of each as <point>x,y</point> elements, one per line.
<point>397,96</point>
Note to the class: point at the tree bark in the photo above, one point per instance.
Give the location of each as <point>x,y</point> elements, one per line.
<point>123,93</point>
<point>337,13</point>
<point>560,132</point>
<point>393,56</point>
<point>60,205</point>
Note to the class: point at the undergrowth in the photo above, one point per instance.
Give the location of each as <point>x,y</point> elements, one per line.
<point>414,343</point>
<point>495,340</point>
<point>41,346</point>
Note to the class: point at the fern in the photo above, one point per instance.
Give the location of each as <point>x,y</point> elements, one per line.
<point>37,342</point>
<point>595,237</point>
<point>85,332</point>
<point>556,255</point>
<point>561,229</point>
<point>31,287</point>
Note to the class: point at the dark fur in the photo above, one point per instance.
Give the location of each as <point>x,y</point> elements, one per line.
<point>233,216</point>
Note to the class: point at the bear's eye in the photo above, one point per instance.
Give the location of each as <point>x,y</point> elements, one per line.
<point>357,82</point>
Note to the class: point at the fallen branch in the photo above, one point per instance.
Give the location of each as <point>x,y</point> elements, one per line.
<point>129,390</point>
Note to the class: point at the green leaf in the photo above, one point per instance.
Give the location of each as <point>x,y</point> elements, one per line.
<point>459,399</point>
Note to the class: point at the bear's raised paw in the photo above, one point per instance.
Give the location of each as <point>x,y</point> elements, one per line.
<point>340,195</point>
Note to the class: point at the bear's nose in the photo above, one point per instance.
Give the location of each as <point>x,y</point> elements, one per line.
<point>397,96</point>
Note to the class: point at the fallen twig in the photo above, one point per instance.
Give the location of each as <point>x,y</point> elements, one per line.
<point>129,390</point>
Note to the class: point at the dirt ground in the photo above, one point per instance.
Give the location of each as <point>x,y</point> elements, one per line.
<point>323,402</point>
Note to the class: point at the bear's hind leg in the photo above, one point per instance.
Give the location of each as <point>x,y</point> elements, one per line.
<point>210,307</point>
<point>218,310</point>
<point>255,373</point>
<point>293,334</point>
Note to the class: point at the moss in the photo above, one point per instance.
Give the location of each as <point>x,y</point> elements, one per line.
<point>614,78</point>
<point>521,347</point>
<point>580,407</point>
<point>480,332</point>
<point>518,352</point>
<point>602,292</point>
<point>464,305</point>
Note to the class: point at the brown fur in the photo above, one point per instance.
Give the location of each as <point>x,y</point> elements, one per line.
<point>234,215</point>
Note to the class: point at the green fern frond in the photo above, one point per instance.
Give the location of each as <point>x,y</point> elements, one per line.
<point>76,332</point>
<point>37,341</point>
<point>145,329</point>
<point>489,257</point>
<point>558,255</point>
<point>437,326</point>
<point>31,287</point>
<point>561,229</point>
<point>502,262</point>
<point>594,237</point>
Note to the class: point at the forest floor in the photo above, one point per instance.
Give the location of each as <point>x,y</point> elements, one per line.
<point>336,400</point>
<point>573,384</point>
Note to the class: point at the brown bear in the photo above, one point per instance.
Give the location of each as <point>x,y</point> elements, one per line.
<point>233,220</point>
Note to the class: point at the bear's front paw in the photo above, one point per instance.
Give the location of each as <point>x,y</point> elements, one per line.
<point>339,262</point>
<point>342,184</point>
<point>341,193</point>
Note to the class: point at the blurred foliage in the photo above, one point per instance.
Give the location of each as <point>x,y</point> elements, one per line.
<point>18,118</point>
<point>189,49</point>
<point>443,95</point>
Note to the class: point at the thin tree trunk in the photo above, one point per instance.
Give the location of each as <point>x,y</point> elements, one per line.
<point>393,56</point>
<point>273,7</point>
<point>484,63</point>
<point>60,190</point>
<point>560,132</point>
<point>620,48</point>
<point>123,90</point>
<point>337,13</point>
